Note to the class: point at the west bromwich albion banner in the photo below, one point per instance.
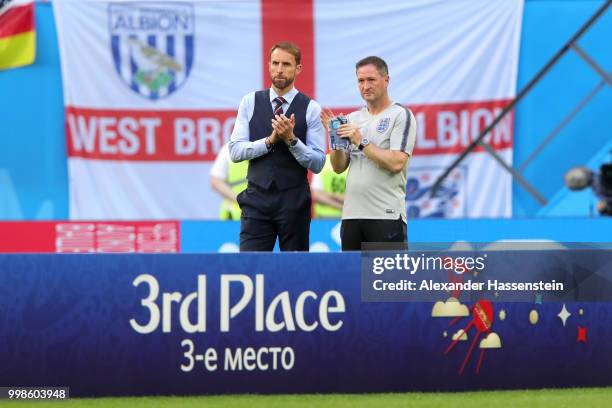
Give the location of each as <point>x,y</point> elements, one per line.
<point>151,90</point>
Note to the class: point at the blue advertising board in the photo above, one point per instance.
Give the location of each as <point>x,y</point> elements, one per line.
<point>188,324</point>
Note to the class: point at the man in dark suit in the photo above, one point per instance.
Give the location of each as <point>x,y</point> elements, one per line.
<point>279,131</point>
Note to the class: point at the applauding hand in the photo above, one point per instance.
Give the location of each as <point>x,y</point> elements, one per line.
<point>283,126</point>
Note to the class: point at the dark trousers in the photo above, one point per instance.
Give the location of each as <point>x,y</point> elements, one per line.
<point>392,234</point>
<point>267,214</point>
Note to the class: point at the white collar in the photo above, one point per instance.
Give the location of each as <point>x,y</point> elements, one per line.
<point>288,96</point>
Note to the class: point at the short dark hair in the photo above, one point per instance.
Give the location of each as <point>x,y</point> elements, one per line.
<point>290,47</point>
<point>379,63</point>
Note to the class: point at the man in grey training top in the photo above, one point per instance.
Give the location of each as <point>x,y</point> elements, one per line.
<point>382,136</point>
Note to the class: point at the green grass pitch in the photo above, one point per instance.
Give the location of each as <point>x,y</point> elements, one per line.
<point>557,398</point>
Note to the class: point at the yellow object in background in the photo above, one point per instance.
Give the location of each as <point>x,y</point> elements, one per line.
<point>333,184</point>
<point>534,317</point>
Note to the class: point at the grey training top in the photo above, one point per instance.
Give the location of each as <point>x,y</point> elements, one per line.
<point>371,191</point>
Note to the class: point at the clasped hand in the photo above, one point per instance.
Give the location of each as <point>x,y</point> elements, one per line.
<point>350,131</point>
<point>283,128</point>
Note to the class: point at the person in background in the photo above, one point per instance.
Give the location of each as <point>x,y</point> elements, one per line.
<point>328,191</point>
<point>228,179</point>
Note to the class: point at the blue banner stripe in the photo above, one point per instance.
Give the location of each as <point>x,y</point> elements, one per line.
<point>116,54</point>
<point>189,53</point>
<point>133,69</point>
<point>152,41</point>
<point>170,51</point>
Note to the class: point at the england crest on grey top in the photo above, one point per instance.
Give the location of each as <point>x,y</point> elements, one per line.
<point>383,125</point>
<point>152,45</point>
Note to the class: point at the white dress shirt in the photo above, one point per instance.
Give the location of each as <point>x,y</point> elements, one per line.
<point>310,155</point>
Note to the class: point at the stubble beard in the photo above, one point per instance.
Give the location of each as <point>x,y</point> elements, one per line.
<point>282,83</point>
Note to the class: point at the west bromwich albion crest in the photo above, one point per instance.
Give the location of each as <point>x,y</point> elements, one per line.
<point>152,45</point>
<point>383,125</point>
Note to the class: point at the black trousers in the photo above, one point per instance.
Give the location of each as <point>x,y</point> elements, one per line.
<point>268,214</point>
<point>391,234</point>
